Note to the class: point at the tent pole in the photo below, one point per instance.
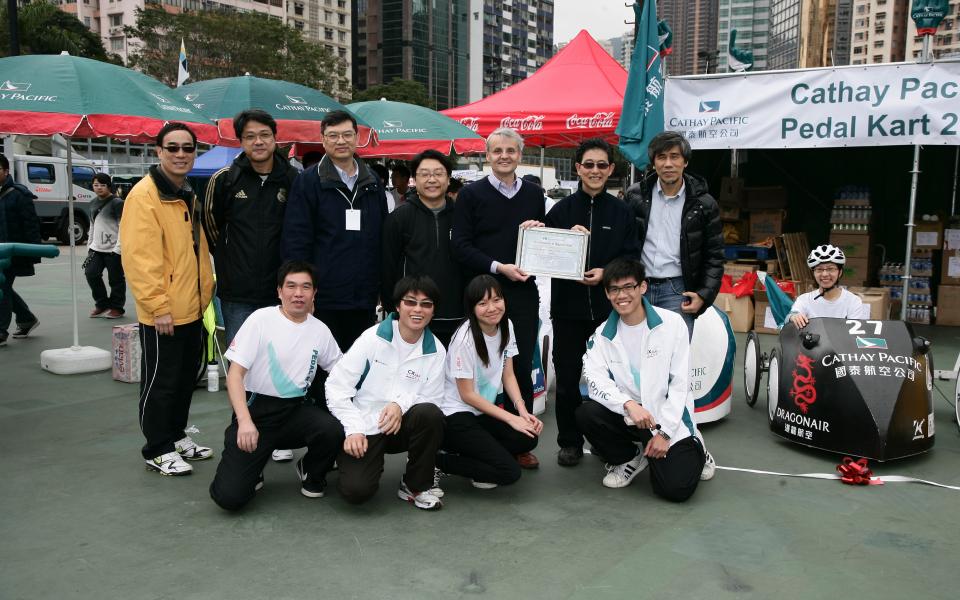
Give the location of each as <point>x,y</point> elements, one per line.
<point>734,163</point>
<point>73,244</point>
<point>913,205</point>
<point>953,198</point>
<point>541,164</point>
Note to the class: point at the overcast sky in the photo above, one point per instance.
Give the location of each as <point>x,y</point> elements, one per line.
<point>602,18</point>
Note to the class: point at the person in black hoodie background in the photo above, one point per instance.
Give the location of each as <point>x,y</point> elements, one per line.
<point>578,307</point>
<point>416,241</point>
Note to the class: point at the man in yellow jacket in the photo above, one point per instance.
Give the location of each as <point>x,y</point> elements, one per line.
<point>168,269</point>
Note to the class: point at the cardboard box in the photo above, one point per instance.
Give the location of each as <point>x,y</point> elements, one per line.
<point>853,244</point>
<point>951,239</point>
<point>126,353</point>
<point>856,271</point>
<point>766,224</point>
<point>950,268</point>
<point>731,191</point>
<point>763,321</point>
<point>739,311</point>
<point>772,268</point>
<point>735,232</point>
<point>729,212</point>
<point>948,305</point>
<point>878,298</point>
<point>928,235</point>
<point>766,198</point>
<point>736,269</point>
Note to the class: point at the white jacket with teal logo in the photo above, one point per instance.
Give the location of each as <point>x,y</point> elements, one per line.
<point>662,383</point>
<point>371,375</point>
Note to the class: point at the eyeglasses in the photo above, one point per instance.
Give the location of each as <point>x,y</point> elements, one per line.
<point>264,136</point>
<point>438,174</point>
<point>615,290</point>
<point>827,270</point>
<point>174,148</point>
<point>411,302</point>
<point>589,165</point>
<point>333,136</point>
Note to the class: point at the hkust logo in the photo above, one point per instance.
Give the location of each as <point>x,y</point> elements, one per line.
<point>709,106</point>
<point>872,343</point>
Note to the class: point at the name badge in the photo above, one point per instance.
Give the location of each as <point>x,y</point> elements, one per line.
<point>353,220</point>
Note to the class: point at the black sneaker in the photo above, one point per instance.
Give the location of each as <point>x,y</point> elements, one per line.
<point>24,329</point>
<point>308,486</point>
<point>569,456</point>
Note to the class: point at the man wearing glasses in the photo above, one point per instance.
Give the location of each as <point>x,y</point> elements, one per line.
<point>577,308</point>
<point>640,412</point>
<point>167,264</point>
<point>334,220</point>
<point>243,220</point>
<point>680,234</point>
<point>416,241</point>
<point>385,391</point>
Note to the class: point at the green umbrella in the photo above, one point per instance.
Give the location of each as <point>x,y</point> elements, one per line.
<point>44,94</point>
<point>407,129</point>
<point>297,108</point>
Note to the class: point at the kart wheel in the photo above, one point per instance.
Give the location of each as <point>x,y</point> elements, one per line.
<point>773,385</point>
<point>752,368</point>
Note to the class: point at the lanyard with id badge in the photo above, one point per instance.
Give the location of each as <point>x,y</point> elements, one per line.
<point>352,218</point>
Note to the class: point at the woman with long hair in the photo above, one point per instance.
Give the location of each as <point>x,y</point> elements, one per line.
<point>482,437</point>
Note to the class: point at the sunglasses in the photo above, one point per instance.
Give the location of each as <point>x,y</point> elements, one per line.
<point>589,165</point>
<point>174,148</point>
<point>411,302</point>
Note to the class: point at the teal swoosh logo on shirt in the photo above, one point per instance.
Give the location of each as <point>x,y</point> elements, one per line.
<point>284,386</point>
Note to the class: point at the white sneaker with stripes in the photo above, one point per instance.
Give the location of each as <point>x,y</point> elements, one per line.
<point>190,450</point>
<point>619,476</point>
<point>169,464</point>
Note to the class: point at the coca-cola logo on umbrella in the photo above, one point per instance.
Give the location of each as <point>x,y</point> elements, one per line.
<point>596,121</point>
<point>471,123</point>
<point>530,123</point>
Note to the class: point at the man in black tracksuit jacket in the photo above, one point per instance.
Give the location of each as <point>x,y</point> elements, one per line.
<point>416,241</point>
<point>243,219</point>
<point>578,307</point>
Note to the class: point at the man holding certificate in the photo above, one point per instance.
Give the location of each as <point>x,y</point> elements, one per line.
<point>487,216</point>
<point>577,308</point>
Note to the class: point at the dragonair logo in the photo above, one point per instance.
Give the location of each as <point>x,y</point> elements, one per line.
<point>9,86</point>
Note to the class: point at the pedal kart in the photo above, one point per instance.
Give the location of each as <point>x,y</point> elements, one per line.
<point>712,357</point>
<point>855,387</point>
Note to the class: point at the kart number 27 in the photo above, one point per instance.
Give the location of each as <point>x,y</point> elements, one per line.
<point>856,327</point>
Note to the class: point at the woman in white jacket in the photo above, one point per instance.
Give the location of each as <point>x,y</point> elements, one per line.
<point>640,410</point>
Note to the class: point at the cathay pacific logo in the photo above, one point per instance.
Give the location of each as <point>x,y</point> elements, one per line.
<point>709,106</point>
<point>389,124</point>
<point>872,343</point>
<point>296,100</point>
<point>9,86</point>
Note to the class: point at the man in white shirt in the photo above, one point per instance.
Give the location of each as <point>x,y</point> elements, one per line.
<point>640,410</point>
<point>385,391</point>
<point>274,359</point>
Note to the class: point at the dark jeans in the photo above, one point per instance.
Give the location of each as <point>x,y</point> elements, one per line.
<point>674,477</point>
<point>420,436</point>
<point>482,448</point>
<point>168,376</point>
<point>668,294</point>
<point>346,326</point>
<point>234,314</point>
<point>12,304</point>
<point>569,345</point>
<point>281,423</point>
<point>523,309</point>
<point>95,264</point>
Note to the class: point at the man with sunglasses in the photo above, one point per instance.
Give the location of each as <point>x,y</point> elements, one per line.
<point>243,219</point>
<point>167,264</point>
<point>577,308</point>
<point>680,233</point>
<point>334,221</point>
<point>385,391</point>
<point>416,241</point>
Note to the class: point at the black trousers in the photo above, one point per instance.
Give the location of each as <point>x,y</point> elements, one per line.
<point>569,344</point>
<point>523,309</point>
<point>482,448</point>
<point>674,477</point>
<point>168,376</point>
<point>420,436</point>
<point>282,423</point>
<point>345,326</point>
<point>95,264</point>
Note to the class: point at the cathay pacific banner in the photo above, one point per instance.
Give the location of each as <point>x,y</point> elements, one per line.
<point>875,105</point>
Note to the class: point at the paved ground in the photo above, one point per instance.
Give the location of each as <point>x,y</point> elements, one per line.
<point>83,519</point>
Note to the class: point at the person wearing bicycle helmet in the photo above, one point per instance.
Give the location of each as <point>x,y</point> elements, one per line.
<point>829,300</point>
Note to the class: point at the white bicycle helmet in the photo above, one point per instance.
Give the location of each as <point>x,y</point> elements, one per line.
<point>826,253</point>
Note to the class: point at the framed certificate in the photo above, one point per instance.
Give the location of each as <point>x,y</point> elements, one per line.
<point>550,252</point>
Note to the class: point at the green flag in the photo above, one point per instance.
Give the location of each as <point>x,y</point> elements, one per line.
<point>642,116</point>
<point>927,14</point>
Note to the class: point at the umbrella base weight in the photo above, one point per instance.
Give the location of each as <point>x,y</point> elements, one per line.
<point>77,359</point>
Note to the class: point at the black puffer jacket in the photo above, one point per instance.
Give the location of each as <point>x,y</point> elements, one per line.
<point>21,223</point>
<point>701,234</point>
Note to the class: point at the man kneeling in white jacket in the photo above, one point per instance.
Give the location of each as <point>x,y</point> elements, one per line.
<point>385,391</point>
<point>640,411</point>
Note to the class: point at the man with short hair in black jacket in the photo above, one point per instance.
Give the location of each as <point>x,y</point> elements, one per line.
<point>416,241</point>
<point>680,234</point>
<point>578,307</point>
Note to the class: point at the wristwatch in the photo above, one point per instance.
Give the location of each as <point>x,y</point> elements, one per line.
<point>658,431</point>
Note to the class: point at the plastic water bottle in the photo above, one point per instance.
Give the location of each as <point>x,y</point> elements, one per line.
<point>213,377</point>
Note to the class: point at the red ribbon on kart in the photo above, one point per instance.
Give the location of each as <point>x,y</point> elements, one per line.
<point>856,472</point>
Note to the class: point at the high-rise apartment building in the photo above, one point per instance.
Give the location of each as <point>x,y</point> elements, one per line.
<point>945,43</point>
<point>751,20</point>
<point>694,25</point>
<point>821,33</point>
<point>879,31</point>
